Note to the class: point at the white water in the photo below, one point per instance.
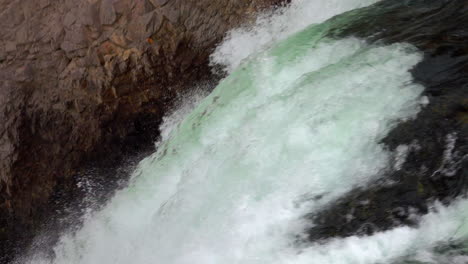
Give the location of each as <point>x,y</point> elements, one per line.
<point>278,25</point>
<point>230,182</point>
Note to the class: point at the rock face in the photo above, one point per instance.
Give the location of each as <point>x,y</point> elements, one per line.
<point>79,78</point>
<point>435,144</point>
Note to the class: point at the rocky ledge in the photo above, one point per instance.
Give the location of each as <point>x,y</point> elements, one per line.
<point>434,145</point>
<point>83,80</point>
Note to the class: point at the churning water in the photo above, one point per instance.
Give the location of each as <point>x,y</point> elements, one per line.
<point>299,116</point>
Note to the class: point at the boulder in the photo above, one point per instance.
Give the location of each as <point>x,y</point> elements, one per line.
<point>434,145</point>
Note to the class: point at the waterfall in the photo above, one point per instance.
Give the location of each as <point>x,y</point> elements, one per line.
<point>299,116</point>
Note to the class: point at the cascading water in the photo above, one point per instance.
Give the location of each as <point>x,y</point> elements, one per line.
<point>300,116</point>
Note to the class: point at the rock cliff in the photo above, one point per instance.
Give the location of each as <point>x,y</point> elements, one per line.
<point>80,78</point>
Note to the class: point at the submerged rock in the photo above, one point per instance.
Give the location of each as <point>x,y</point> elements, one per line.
<point>431,151</point>
<point>89,80</point>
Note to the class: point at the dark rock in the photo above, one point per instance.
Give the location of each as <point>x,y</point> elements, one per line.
<point>436,167</point>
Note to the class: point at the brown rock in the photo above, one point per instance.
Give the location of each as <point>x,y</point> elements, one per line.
<point>79,77</point>
<point>159,3</point>
<point>107,12</point>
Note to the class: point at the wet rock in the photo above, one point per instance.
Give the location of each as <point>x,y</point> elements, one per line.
<point>436,141</point>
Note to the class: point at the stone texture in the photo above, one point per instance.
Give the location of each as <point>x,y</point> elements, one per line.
<point>436,166</point>
<point>78,77</point>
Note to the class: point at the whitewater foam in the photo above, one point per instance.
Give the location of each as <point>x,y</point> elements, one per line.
<point>277,25</point>
<point>224,186</point>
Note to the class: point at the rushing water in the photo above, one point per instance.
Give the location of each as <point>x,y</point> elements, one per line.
<point>298,116</point>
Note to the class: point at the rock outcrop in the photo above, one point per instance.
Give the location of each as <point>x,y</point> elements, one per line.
<point>434,145</point>
<point>79,78</point>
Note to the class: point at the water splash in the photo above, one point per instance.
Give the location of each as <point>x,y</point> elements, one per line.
<point>277,25</point>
